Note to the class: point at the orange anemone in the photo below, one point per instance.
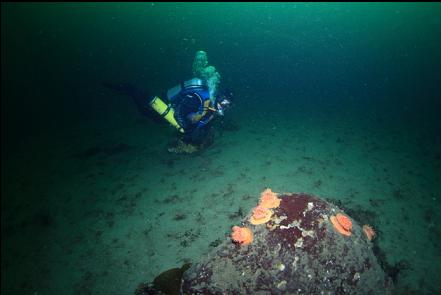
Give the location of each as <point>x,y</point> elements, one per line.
<point>369,231</point>
<point>242,235</point>
<point>342,224</point>
<point>260,215</point>
<point>345,222</point>
<point>269,199</point>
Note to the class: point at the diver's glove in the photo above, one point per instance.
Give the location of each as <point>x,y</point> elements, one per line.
<point>219,110</point>
<point>222,106</point>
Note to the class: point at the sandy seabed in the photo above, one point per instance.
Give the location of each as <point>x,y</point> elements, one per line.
<point>100,209</point>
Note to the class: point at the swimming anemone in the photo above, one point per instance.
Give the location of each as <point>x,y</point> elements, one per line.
<point>345,222</point>
<point>342,224</point>
<point>369,232</point>
<point>269,199</point>
<point>260,215</point>
<point>242,235</point>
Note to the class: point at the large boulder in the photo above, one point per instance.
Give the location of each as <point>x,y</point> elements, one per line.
<point>298,251</point>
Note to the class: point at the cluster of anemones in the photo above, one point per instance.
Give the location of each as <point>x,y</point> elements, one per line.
<point>343,225</point>
<point>261,214</point>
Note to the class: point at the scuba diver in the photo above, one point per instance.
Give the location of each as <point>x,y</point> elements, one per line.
<point>190,106</point>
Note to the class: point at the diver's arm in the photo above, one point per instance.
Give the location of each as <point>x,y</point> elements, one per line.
<point>198,116</point>
<point>194,117</point>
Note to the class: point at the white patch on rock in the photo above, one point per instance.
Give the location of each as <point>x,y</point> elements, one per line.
<point>299,243</point>
<point>281,285</point>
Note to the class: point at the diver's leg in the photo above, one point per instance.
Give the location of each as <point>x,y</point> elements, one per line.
<point>201,136</point>
<point>140,98</point>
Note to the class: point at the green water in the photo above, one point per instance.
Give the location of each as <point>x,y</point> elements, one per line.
<point>359,80</point>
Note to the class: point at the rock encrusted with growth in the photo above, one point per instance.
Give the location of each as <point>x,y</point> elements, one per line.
<point>298,251</point>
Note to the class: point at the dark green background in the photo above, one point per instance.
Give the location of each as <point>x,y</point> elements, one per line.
<point>378,62</point>
<point>54,56</point>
